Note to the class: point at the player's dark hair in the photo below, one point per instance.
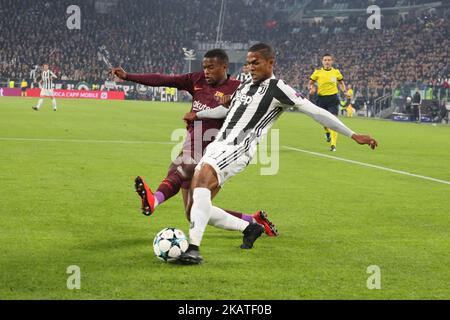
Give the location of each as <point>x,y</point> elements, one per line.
<point>264,49</point>
<point>220,54</point>
<point>327,55</point>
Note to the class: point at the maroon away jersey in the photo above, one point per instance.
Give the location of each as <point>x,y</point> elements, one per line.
<point>203,97</point>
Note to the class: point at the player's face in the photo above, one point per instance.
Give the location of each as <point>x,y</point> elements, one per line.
<point>215,71</point>
<point>260,68</point>
<point>45,67</point>
<point>327,62</point>
<point>246,68</point>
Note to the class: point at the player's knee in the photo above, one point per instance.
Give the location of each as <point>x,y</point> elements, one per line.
<point>205,178</point>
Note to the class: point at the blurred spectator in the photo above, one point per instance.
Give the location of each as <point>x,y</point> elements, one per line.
<point>147,36</point>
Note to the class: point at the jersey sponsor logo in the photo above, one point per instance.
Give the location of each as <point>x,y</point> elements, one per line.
<point>198,106</point>
<point>243,98</point>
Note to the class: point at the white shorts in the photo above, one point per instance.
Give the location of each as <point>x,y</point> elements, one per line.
<point>227,160</point>
<point>47,93</point>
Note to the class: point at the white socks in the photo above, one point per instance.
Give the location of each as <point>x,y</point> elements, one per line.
<point>221,219</point>
<point>203,213</point>
<point>41,100</point>
<point>39,104</point>
<point>200,213</point>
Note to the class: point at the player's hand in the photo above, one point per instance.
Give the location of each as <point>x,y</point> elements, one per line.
<point>224,100</point>
<point>190,117</point>
<point>312,91</point>
<point>365,139</point>
<point>118,72</point>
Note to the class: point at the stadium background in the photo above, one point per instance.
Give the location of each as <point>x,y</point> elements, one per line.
<point>384,66</point>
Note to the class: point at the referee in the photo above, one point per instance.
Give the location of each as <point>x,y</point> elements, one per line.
<point>327,79</point>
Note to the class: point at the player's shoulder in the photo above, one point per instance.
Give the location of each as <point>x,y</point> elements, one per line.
<point>278,86</point>
<point>233,80</point>
<point>316,72</point>
<point>196,76</point>
<point>278,82</point>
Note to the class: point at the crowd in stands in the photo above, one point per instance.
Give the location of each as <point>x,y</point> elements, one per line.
<point>148,36</point>
<point>413,51</point>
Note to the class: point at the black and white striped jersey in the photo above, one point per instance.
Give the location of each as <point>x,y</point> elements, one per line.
<point>253,110</point>
<point>244,77</point>
<point>47,79</point>
<point>255,107</point>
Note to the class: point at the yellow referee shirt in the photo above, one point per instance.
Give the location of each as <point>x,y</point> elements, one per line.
<point>327,81</point>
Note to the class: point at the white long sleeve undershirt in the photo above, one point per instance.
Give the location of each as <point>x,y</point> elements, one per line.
<point>218,112</point>
<point>324,117</point>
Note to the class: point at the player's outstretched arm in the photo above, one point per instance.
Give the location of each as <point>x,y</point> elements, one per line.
<point>365,139</point>
<point>181,82</point>
<point>328,120</point>
<point>119,73</point>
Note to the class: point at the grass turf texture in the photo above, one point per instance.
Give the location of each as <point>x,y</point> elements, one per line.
<point>68,203</point>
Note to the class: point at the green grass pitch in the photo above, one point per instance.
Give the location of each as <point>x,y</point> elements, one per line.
<point>67,198</point>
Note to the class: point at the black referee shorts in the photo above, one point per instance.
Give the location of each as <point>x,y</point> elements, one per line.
<point>329,103</point>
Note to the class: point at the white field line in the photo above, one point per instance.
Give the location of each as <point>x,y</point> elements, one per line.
<point>87,141</point>
<point>368,165</point>
<point>286,147</point>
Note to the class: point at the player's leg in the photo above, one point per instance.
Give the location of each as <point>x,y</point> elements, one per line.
<point>333,107</point>
<point>53,101</point>
<point>260,217</point>
<point>321,103</point>
<point>327,134</point>
<point>186,198</point>
<point>205,183</point>
<point>40,101</point>
<point>230,224</point>
<point>333,140</point>
<point>169,187</point>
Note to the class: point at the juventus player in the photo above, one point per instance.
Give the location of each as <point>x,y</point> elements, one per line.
<point>254,108</point>
<point>208,88</point>
<point>245,75</point>
<point>46,82</point>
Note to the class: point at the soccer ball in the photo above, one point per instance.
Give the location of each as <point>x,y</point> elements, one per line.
<point>169,243</point>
